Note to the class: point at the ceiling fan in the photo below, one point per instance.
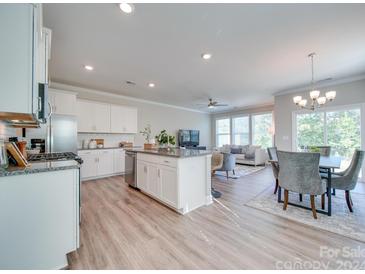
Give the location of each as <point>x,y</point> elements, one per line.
<point>213,104</point>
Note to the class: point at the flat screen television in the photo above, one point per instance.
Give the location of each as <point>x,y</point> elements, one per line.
<point>188,137</point>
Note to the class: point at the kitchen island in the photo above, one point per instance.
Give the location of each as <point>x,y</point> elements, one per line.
<point>178,178</point>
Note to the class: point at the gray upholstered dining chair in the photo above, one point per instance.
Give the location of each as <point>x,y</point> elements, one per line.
<point>347,179</point>
<point>229,163</point>
<point>299,173</point>
<point>272,152</point>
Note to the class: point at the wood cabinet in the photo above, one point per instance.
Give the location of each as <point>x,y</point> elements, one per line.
<point>102,162</point>
<point>61,102</point>
<point>92,116</point>
<point>119,160</point>
<point>123,119</point>
<point>20,34</point>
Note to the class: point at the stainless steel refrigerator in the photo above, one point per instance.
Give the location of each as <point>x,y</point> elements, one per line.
<point>59,133</point>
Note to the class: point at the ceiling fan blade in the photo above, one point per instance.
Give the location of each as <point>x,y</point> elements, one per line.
<point>221,105</point>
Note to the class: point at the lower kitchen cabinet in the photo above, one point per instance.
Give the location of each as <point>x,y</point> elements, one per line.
<point>105,162</point>
<point>101,163</point>
<point>158,181</point>
<point>39,215</point>
<point>181,183</point>
<point>169,191</point>
<point>119,160</point>
<point>142,175</point>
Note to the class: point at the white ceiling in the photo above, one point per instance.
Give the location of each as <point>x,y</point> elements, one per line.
<point>258,49</point>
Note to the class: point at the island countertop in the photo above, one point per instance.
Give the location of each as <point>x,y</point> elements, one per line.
<point>37,167</point>
<point>173,152</point>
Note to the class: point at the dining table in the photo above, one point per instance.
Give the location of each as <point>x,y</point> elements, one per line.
<point>327,164</point>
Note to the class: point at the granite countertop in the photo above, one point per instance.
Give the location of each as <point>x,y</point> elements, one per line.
<point>37,167</point>
<point>126,148</point>
<point>173,152</point>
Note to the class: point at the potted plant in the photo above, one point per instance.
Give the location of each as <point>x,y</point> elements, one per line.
<point>146,132</point>
<point>164,140</point>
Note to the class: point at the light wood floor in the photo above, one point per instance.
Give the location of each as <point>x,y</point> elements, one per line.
<point>124,229</point>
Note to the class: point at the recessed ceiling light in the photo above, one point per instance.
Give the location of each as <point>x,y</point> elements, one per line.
<point>126,8</point>
<point>151,85</point>
<point>206,56</point>
<point>88,67</point>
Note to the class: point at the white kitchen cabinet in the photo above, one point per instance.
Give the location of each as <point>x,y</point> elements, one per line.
<point>102,163</point>
<point>40,219</point>
<point>89,168</point>
<point>43,55</point>
<point>153,181</point>
<point>63,103</point>
<point>101,117</point>
<point>85,120</point>
<point>105,162</point>
<point>123,119</point>
<point>119,161</point>
<point>93,117</point>
<point>19,32</point>
<point>183,184</point>
<point>142,175</point>
<point>169,191</point>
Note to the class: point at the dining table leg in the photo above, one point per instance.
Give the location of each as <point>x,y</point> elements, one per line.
<point>279,194</point>
<point>329,196</point>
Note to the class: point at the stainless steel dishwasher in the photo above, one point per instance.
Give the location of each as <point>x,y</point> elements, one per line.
<point>131,168</point>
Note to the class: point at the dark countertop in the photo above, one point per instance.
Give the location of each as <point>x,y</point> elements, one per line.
<point>81,149</point>
<point>37,167</point>
<point>173,152</point>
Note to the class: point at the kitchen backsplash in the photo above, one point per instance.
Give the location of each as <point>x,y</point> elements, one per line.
<point>110,140</point>
<point>6,131</point>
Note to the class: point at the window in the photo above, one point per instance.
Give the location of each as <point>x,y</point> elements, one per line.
<point>339,129</point>
<point>262,127</point>
<point>223,132</point>
<point>310,129</point>
<point>241,130</point>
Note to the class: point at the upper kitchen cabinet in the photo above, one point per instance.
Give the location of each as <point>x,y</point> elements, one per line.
<point>22,67</point>
<point>62,102</point>
<point>123,119</point>
<point>93,117</point>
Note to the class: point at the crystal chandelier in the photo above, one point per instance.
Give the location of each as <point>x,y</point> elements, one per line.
<point>317,100</point>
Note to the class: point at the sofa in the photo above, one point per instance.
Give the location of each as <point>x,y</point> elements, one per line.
<point>247,155</point>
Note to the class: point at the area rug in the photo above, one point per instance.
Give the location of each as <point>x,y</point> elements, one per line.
<point>240,171</point>
<point>342,221</point>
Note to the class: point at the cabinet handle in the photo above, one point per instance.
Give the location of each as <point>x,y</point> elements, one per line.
<point>158,173</point>
<point>39,104</point>
<point>145,169</point>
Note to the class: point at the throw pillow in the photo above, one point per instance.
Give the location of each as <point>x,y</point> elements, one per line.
<point>250,154</point>
<point>244,149</point>
<point>235,150</point>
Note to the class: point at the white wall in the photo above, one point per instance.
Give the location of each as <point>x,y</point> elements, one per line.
<point>159,116</point>
<point>347,94</point>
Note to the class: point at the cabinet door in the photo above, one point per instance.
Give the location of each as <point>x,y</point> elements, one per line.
<point>101,117</point>
<point>105,162</point>
<point>64,103</point>
<point>85,116</point>
<point>142,170</point>
<point>119,160</point>
<point>16,58</point>
<point>169,187</point>
<point>123,119</point>
<point>153,182</point>
<point>90,166</point>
